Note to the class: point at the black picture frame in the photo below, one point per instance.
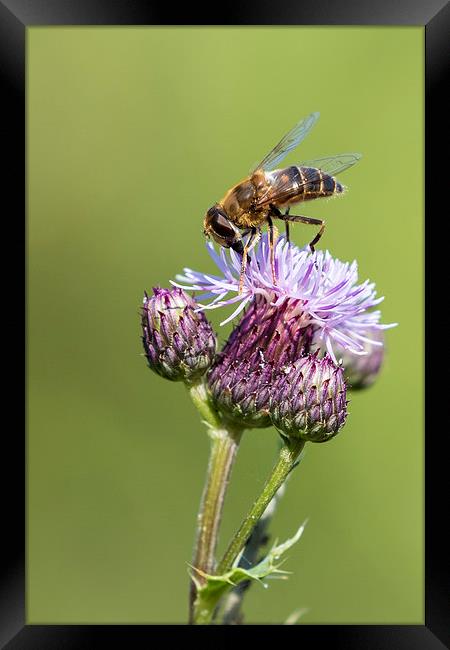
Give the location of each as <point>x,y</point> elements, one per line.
<point>15,17</point>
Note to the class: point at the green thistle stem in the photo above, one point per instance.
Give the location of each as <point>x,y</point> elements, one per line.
<point>224,445</point>
<point>230,609</point>
<point>200,397</point>
<point>286,461</point>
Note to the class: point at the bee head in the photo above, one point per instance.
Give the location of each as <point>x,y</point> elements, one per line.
<point>221,229</point>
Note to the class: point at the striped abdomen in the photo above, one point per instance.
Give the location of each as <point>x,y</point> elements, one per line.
<point>295,184</point>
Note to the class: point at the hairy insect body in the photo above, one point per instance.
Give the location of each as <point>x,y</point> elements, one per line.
<point>295,184</point>
<point>247,203</point>
<point>238,205</point>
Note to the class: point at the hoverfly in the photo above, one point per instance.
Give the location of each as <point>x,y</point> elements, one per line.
<point>261,196</point>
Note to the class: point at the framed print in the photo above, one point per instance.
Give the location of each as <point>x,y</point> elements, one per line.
<point>129,139</point>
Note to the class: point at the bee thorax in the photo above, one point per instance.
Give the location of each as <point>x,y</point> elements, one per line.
<point>239,199</point>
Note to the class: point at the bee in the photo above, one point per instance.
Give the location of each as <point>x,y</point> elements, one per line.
<point>261,197</point>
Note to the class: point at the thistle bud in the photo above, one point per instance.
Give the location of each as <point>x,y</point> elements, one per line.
<point>309,399</point>
<point>179,342</point>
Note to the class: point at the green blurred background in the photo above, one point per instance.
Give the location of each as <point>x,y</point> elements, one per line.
<point>132,134</point>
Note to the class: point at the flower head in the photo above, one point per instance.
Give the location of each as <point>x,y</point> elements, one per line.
<point>326,290</point>
<point>178,340</point>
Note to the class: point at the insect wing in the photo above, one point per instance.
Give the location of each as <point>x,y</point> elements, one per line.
<point>290,141</point>
<point>281,191</point>
<point>333,164</point>
<point>284,190</point>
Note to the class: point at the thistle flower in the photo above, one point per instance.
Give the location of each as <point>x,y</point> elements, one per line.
<point>316,303</point>
<point>308,399</point>
<point>178,340</point>
<point>326,289</point>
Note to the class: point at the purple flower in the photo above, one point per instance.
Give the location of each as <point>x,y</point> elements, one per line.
<point>178,340</point>
<point>326,290</point>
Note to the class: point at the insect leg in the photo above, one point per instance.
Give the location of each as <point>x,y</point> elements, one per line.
<point>317,237</point>
<point>310,221</point>
<point>276,214</point>
<point>251,242</point>
<point>273,234</point>
<point>286,224</point>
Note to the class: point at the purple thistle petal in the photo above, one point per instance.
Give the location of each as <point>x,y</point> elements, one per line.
<point>328,290</point>
<point>237,311</point>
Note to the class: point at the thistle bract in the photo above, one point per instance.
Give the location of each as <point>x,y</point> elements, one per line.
<point>178,340</point>
<point>309,399</point>
<point>241,390</point>
<point>266,339</point>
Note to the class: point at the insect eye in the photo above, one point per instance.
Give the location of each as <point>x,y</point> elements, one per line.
<point>222,226</point>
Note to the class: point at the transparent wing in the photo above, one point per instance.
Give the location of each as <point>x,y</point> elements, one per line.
<point>332,165</point>
<point>283,192</point>
<point>291,140</point>
<point>282,189</point>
